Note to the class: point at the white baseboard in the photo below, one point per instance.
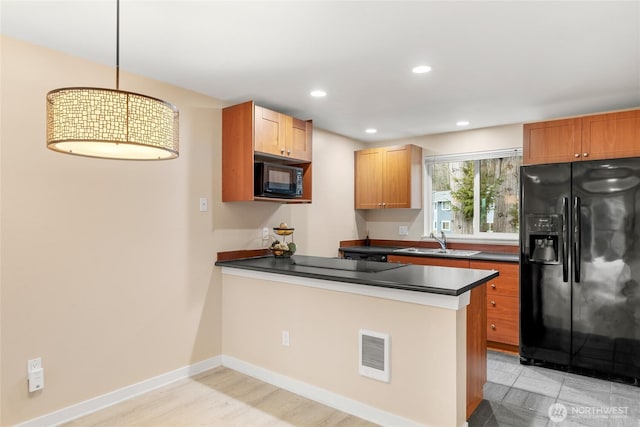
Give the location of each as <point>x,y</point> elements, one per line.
<point>309,391</point>
<point>326,397</point>
<point>88,406</point>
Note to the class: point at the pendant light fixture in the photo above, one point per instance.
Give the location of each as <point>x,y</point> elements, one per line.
<point>110,123</point>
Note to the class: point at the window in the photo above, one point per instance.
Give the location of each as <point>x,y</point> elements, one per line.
<point>474,195</point>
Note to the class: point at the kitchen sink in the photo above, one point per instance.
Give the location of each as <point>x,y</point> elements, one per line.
<point>436,251</point>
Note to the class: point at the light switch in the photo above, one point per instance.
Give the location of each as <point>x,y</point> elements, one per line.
<point>204,204</point>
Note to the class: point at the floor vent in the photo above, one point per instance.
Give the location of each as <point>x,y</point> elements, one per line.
<point>374,355</point>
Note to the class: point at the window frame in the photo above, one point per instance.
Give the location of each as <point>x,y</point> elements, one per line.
<point>477,236</point>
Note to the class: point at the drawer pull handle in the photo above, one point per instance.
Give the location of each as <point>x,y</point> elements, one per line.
<point>493,326</point>
<point>493,286</point>
<point>493,303</point>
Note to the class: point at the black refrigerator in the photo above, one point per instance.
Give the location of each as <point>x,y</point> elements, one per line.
<point>580,267</point>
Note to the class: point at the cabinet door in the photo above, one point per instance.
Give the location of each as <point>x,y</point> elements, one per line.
<point>269,132</point>
<point>402,183</point>
<point>368,179</point>
<point>396,185</point>
<point>612,135</point>
<point>552,142</point>
<point>299,145</point>
<point>388,177</point>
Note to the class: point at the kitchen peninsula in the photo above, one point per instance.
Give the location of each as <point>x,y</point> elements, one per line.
<point>295,322</point>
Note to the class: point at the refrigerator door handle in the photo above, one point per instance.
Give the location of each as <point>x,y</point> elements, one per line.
<point>565,239</point>
<point>577,239</point>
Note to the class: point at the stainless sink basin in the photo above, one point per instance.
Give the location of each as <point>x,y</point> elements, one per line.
<point>436,251</point>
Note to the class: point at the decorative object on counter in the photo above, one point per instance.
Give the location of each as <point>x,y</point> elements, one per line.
<point>283,249</point>
<point>367,242</point>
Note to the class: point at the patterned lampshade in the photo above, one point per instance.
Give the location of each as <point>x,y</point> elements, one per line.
<point>113,124</point>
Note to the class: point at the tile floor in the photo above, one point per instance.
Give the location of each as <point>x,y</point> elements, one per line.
<point>518,395</point>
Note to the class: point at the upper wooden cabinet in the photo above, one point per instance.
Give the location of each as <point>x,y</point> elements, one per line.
<point>282,135</point>
<point>252,133</point>
<point>554,141</point>
<point>388,177</point>
<point>612,135</point>
<point>600,136</point>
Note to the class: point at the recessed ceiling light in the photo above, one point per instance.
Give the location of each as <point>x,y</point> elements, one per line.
<point>421,69</point>
<point>318,93</point>
<point>462,123</point>
<point>371,130</point>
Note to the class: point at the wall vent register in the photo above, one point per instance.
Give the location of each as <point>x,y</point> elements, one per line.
<point>373,355</point>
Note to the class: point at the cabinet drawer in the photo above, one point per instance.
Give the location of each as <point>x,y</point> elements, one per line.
<point>502,287</point>
<point>502,330</point>
<point>506,283</point>
<point>504,307</point>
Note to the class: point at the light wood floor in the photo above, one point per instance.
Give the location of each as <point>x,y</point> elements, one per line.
<point>220,397</point>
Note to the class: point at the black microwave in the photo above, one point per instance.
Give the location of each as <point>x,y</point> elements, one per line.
<point>276,180</point>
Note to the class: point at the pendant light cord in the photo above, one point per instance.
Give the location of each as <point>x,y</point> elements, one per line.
<point>117,44</point>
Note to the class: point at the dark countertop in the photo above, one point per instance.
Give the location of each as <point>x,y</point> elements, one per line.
<point>431,279</point>
<point>389,250</point>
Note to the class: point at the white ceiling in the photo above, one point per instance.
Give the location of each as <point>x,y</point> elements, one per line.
<point>493,62</point>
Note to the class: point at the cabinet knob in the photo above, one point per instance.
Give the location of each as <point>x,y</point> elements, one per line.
<point>289,152</point>
<point>384,204</point>
<point>493,303</point>
<point>585,154</point>
<point>576,155</point>
<point>282,151</point>
<point>493,326</point>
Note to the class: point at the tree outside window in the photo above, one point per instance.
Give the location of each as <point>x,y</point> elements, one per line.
<point>482,191</point>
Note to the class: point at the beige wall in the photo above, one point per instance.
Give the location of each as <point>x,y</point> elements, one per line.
<point>383,224</point>
<point>107,266</point>
<point>428,358</point>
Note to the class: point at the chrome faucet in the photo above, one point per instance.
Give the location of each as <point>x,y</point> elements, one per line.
<point>443,241</point>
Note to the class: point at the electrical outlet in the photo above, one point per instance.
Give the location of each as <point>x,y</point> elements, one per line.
<point>33,364</point>
<point>265,233</point>
<point>285,338</point>
<point>35,374</point>
<point>403,230</point>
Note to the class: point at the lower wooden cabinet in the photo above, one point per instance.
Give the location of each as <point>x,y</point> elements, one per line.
<point>502,331</point>
<point>503,304</point>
